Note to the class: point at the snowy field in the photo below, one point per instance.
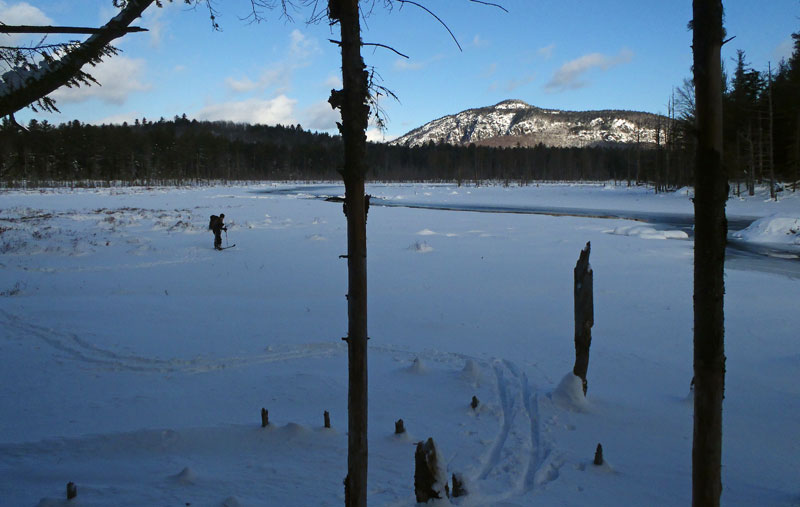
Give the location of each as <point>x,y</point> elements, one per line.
<point>136,359</point>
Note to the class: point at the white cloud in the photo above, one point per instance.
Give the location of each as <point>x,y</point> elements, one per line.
<point>405,64</point>
<point>784,49</point>
<point>241,85</point>
<point>155,25</point>
<point>118,76</point>
<point>546,52</point>
<point>266,112</point>
<point>479,42</point>
<point>279,75</point>
<point>489,72</point>
<point>334,82</point>
<point>320,116</point>
<point>118,119</point>
<point>513,84</point>
<point>21,13</point>
<point>571,75</point>
<point>376,135</point>
<point>301,47</point>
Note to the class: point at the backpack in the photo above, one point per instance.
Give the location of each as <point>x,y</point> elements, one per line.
<point>212,221</point>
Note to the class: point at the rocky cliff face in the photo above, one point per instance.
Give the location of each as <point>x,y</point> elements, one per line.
<point>515,123</point>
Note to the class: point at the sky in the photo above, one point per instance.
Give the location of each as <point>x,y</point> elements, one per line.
<point>561,54</point>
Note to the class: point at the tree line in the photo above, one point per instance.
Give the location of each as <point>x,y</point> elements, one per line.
<point>182,150</point>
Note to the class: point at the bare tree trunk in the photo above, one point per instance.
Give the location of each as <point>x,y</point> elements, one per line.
<point>352,100</point>
<point>772,193</point>
<point>711,191</point>
<point>760,150</point>
<point>751,177</point>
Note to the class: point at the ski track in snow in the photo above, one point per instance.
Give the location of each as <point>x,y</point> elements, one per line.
<point>73,347</point>
<point>518,458</point>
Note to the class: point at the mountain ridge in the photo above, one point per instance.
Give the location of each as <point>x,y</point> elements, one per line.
<point>514,122</point>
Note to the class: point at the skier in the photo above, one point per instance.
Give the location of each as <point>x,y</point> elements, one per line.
<point>217,226</point>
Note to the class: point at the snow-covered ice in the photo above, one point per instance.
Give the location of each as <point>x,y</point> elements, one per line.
<point>136,359</point>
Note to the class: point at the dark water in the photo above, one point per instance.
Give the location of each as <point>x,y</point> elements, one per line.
<point>739,255</point>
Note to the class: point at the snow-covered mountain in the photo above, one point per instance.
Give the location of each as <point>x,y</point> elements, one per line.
<point>516,123</point>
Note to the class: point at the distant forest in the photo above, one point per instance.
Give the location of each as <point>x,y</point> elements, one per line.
<point>182,150</point>
<point>762,143</point>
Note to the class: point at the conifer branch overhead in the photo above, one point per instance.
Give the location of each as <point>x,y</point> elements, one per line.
<point>61,29</point>
<point>29,81</point>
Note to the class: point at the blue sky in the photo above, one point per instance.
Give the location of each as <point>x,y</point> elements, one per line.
<point>565,54</point>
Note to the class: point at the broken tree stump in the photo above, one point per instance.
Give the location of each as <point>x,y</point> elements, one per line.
<point>598,455</point>
<point>264,417</point>
<point>399,428</point>
<point>584,314</point>
<point>426,472</point>
<point>327,418</point>
<point>458,486</point>
<point>474,405</point>
<point>72,490</point>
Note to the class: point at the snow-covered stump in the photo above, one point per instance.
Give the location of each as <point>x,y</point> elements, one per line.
<point>399,427</point>
<point>72,490</point>
<point>584,314</point>
<point>429,478</point>
<point>264,417</point>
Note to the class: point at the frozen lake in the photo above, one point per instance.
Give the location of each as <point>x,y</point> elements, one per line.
<point>137,358</point>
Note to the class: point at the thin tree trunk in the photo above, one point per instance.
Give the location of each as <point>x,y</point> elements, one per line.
<point>355,113</point>
<point>772,193</point>
<point>711,190</point>
<point>760,150</point>
<point>751,177</point>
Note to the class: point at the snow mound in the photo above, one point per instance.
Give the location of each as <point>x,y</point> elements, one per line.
<point>426,232</point>
<point>293,429</point>
<point>186,477</point>
<point>776,228</point>
<point>647,232</point>
<point>417,367</point>
<point>569,393</point>
<point>471,372</point>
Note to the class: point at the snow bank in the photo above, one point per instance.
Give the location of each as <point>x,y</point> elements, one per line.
<point>569,394</point>
<point>778,228</point>
<point>647,232</point>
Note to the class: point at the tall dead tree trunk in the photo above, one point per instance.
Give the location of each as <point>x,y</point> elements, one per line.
<point>352,101</point>
<point>711,191</point>
<point>584,314</point>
